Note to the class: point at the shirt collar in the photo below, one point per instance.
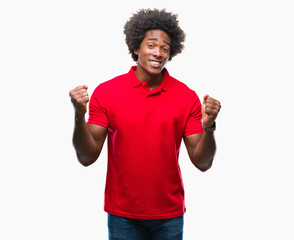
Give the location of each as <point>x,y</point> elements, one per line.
<point>135,82</point>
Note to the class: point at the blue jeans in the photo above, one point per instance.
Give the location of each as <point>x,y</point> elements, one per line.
<point>121,228</point>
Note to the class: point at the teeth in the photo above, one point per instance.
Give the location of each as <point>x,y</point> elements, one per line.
<point>155,63</point>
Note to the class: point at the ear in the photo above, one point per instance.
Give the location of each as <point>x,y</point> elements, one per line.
<point>136,51</point>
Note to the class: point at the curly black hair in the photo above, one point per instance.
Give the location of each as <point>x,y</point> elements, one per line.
<point>146,19</point>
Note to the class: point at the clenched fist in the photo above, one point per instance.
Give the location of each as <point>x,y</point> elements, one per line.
<point>80,98</point>
<point>210,109</point>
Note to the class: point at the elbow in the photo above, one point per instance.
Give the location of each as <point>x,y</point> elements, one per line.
<point>85,164</point>
<point>86,161</point>
<point>203,167</point>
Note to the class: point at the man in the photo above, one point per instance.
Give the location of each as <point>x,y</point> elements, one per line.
<point>145,114</point>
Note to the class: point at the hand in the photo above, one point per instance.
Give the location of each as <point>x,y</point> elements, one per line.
<point>80,98</point>
<point>210,109</point>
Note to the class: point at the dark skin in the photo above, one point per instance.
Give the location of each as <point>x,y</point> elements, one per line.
<point>152,55</point>
<point>88,139</point>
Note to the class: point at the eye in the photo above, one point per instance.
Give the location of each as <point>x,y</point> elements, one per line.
<point>150,45</point>
<point>165,49</point>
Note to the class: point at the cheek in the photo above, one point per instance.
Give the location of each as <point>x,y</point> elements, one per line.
<point>143,56</point>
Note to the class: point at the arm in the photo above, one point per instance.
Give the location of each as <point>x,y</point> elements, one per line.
<point>88,139</point>
<point>201,147</point>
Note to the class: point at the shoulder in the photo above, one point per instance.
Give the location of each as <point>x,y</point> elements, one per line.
<point>111,84</point>
<point>116,81</point>
<point>181,88</point>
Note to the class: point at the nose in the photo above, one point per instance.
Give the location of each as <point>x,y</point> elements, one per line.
<point>157,52</point>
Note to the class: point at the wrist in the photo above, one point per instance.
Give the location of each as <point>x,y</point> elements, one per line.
<point>79,116</point>
<point>209,128</point>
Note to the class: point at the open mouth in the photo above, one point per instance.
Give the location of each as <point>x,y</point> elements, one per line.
<point>155,64</point>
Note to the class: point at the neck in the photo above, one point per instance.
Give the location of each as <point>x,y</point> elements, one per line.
<point>152,80</point>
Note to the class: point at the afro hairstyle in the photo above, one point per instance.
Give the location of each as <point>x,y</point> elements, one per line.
<point>146,19</point>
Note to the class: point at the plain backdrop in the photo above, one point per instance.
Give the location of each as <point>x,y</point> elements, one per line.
<point>240,52</point>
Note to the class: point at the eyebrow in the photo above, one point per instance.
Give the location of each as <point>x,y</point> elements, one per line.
<point>155,39</point>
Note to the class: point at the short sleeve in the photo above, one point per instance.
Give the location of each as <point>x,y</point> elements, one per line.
<point>98,108</point>
<point>194,121</point>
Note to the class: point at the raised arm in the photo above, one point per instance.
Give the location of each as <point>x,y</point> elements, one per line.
<point>201,147</point>
<point>88,139</point>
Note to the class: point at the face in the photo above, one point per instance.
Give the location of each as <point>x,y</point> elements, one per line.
<point>154,52</point>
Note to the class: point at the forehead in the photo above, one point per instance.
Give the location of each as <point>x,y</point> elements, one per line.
<point>157,35</point>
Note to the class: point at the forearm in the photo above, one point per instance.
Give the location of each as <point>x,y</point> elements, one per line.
<point>203,154</point>
<point>84,144</point>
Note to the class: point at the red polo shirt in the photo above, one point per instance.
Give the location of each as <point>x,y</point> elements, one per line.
<point>145,130</point>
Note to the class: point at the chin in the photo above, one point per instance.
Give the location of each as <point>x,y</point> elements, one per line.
<point>154,71</point>
<point>151,70</point>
